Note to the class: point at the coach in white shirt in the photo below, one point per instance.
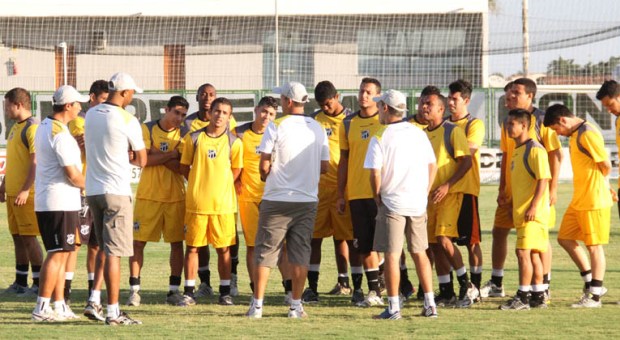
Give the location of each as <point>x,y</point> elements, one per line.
<point>403,166</point>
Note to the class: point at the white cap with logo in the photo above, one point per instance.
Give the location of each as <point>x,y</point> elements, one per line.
<point>294,91</point>
<point>66,94</point>
<point>394,99</point>
<point>122,81</point>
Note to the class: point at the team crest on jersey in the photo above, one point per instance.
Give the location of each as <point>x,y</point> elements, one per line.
<point>84,229</point>
<point>365,134</point>
<point>211,154</point>
<point>328,132</point>
<point>70,238</point>
<point>256,150</point>
<point>163,146</point>
<point>136,226</point>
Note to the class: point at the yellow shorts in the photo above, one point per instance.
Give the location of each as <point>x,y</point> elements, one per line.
<point>328,221</point>
<point>248,213</point>
<point>153,219</point>
<point>533,235</point>
<point>216,230</point>
<point>503,217</point>
<point>443,217</point>
<point>22,220</point>
<point>589,226</point>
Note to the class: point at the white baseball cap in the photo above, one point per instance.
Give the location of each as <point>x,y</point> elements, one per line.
<point>66,94</point>
<point>394,99</point>
<point>122,81</point>
<point>294,91</point>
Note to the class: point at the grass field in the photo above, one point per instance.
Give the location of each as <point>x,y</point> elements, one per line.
<point>334,317</point>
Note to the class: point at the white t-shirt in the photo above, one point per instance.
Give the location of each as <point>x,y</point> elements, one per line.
<point>297,145</point>
<point>56,149</point>
<point>403,153</point>
<point>109,130</point>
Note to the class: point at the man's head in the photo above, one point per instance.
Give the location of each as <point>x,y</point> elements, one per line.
<point>98,92</point>
<point>392,106</point>
<point>609,95</point>
<point>265,111</point>
<point>122,87</point>
<point>176,110</point>
<point>293,97</point>
<point>523,92</point>
<point>427,90</point>
<point>369,89</point>
<point>221,111</point>
<point>558,118</point>
<point>518,122</point>
<point>508,100</point>
<point>16,102</point>
<point>205,95</point>
<point>433,108</point>
<point>460,95</point>
<point>327,97</point>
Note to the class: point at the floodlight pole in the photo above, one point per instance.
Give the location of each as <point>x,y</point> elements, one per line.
<point>526,42</point>
<point>63,46</point>
<point>277,45</point>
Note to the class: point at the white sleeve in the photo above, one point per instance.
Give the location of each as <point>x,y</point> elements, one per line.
<point>426,146</point>
<point>268,141</point>
<point>324,147</point>
<point>67,150</point>
<point>134,135</point>
<point>374,155</point>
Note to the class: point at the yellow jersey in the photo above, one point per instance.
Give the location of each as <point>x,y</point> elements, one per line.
<point>193,123</point>
<point>449,143</point>
<point>618,139</point>
<point>251,186</point>
<point>158,183</point>
<point>331,124</point>
<point>76,128</point>
<point>211,188</point>
<point>474,131</point>
<point>414,120</point>
<point>19,147</point>
<point>354,134</point>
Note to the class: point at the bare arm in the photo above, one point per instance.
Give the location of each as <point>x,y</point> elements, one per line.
<point>264,167</point>
<point>343,169</point>
<point>555,159</point>
<point>604,167</point>
<point>463,165</point>
<point>541,185</point>
<point>184,170</point>
<point>22,196</point>
<point>74,175</point>
<point>139,158</point>
<point>156,157</point>
<point>501,196</point>
<point>2,191</point>
<point>432,172</point>
<point>324,167</point>
<point>375,185</point>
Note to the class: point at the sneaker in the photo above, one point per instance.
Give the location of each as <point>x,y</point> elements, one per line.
<point>444,301</point>
<point>134,298</point>
<point>357,297</point>
<point>234,289</point>
<point>12,289</point>
<point>288,298</point>
<point>515,304</point>
<point>174,298</point>
<point>46,315</point>
<point>372,299</point>
<point>407,289</point>
<point>491,290</point>
<point>186,301</point>
<point>225,300</point>
<point>94,311</point>
<point>254,312</point>
<point>539,304</point>
<point>25,292</point>
<point>203,290</point>
<point>66,313</point>
<point>309,296</point>
<point>297,313</point>
<point>586,301</point>
<point>471,296</point>
<point>386,315</point>
<point>429,311</point>
<point>340,290</point>
<point>122,320</point>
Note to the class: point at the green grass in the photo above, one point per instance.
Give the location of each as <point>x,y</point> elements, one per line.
<point>334,317</point>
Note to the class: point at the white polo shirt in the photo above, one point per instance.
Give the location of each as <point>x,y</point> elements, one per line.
<point>297,145</point>
<point>109,131</point>
<point>403,153</point>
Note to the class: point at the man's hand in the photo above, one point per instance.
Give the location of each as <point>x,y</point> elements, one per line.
<point>440,193</point>
<point>530,213</point>
<point>22,197</point>
<point>341,206</point>
<point>614,195</point>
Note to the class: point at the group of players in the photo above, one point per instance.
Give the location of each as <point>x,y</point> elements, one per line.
<point>226,166</point>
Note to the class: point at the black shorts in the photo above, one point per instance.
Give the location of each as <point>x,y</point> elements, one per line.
<point>86,229</point>
<point>469,222</point>
<point>363,217</point>
<point>58,229</point>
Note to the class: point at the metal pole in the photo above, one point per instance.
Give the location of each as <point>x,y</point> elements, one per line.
<point>63,45</point>
<point>277,46</point>
<point>526,42</point>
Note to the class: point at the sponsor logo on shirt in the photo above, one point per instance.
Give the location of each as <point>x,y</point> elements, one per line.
<point>256,150</point>
<point>365,134</point>
<point>163,146</point>
<point>212,154</point>
<point>328,132</point>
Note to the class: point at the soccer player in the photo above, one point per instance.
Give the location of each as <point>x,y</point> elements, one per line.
<point>521,96</point>
<point>328,221</point>
<point>418,118</point>
<point>160,199</point>
<point>609,95</point>
<point>530,209</point>
<point>215,156</point>
<point>108,132</point>
<point>469,220</point>
<point>288,209</point>
<point>354,134</point>
<point>446,197</point>
<point>57,201</point>
<point>401,181</point>
<point>17,191</point>
<point>587,218</point>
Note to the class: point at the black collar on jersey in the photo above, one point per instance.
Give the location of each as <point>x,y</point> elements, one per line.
<point>25,119</point>
<point>358,113</point>
<point>583,122</point>
<point>527,141</point>
<point>428,127</point>
<point>454,121</point>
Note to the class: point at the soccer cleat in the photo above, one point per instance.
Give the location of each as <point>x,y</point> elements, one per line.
<point>371,300</point>
<point>122,320</point>
<point>386,315</point>
<point>357,297</point>
<point>297,313</point>
<point>288,298</point>
<point>445,301</point>
<point>94,311</point>
<point>134,298</point>
<point>254,312</point>
<point>586,301</point>
<point>225,300</point>
<point>309,296</point>
<point>174,298</point>
<point>203,291</point>
<point>234,289</point>
<point>491,290</point>
<point>407,289</point>
<point>538,304</point>
<point>471,295</point>
<point>186,301</point>
<point>515,304</point>
<point>340,290</point>
<point>12,289</point>
<point>25,292</point>
<point>46,315</point>
<point>429,311</point>
<point>66,314</point>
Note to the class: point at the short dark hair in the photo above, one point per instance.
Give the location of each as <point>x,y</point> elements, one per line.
<point>529,84</point>
<point>177,101</point>
<point>462,86</point>
<point>56,108</point>
<point>202,87</point>
<point>610,88</point>
<point>374,81</point>
<point>221,100</point>
<point>324,90</point>
<point>442,99</point>
<point>430,89</point>
<point>507,86</point>
<point>522,116</point>
<point>19,95</point>
<point>268,101</point>
<point>98,87</point>
<point>555,112</point>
